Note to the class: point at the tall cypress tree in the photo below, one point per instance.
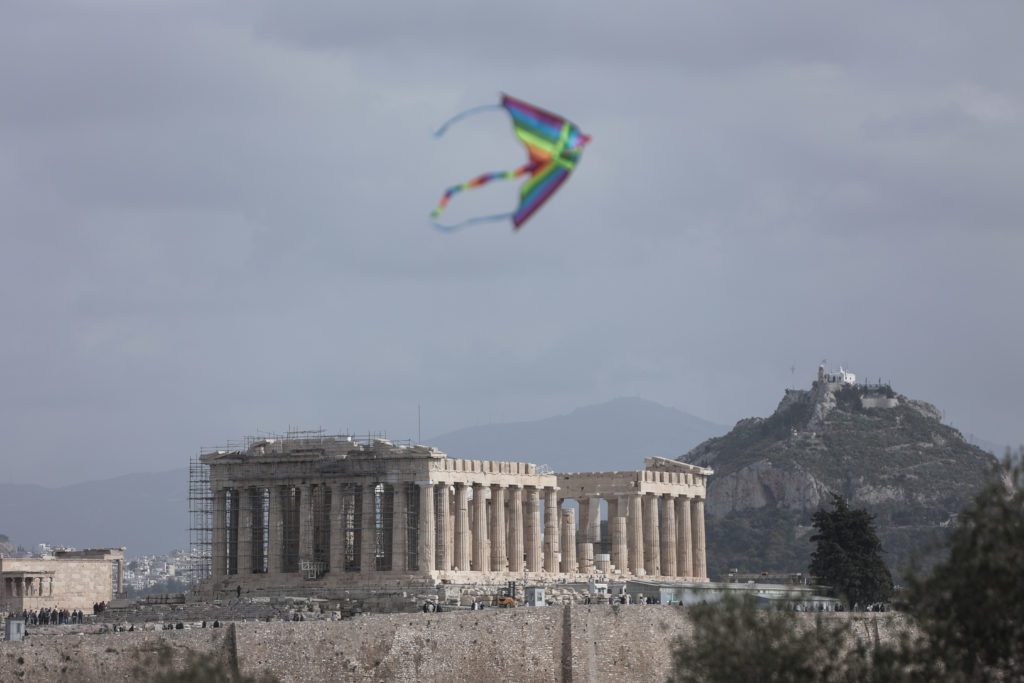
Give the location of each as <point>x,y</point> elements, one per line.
<point>848,554</point>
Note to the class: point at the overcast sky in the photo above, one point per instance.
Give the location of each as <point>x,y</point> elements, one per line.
<point>213,216</point>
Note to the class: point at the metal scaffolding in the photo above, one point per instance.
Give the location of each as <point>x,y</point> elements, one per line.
<point>272,529</point>
<point>200,528</point>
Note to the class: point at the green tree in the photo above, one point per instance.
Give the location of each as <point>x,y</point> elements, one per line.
<point>848,554</point>
<point>735,641</point>
<point>967,618</point>
<point>972,605</point>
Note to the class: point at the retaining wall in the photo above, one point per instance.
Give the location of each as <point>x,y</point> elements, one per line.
<point>582,643</point>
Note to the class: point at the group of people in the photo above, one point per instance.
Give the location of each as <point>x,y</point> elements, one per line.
<point>50,616</point>
<point>623,599</point>
<point>98,607</point>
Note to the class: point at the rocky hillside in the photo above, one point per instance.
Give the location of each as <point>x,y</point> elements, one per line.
<point>881,450</point>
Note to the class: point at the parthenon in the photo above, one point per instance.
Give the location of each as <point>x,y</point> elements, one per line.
<point>342,511</point>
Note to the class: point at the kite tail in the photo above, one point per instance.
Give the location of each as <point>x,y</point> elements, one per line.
<point>480,180</point>
<point>458,117</point>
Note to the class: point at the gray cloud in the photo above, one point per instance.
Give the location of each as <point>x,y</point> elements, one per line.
<point>213,216</point>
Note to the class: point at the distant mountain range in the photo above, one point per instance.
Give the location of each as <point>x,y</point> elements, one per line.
<point>616,435</point>
<point>147,513</point>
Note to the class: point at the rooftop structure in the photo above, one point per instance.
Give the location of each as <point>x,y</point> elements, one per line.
<point>71,579</point>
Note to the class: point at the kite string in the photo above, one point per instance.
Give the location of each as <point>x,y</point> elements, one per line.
<point>470,221</point>
<point>458,117</point>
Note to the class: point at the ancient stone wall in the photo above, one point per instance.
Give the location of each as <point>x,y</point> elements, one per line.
<point>541,645</point>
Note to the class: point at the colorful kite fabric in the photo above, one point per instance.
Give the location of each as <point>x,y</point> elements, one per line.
<point>554,146</point>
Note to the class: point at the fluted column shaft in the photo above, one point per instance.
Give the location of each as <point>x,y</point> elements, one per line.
<point>275,542</point>
<point>337,522</point>
<point>245,530</point>
<point>551,529</point>
<point>533,529</point>
<point>620,548</point>
<point>368,553</point>
<point>219,536</point>
<point>444,540</point>
<point>498,560</point>
<point>684,541</point>
<point>400,527</point>
<point>636,534</point>
<point>305,522</point>
<point>592,520</point>
<point>515,541</point>
<point>652,542</point>
<point>568,541</point>
<point>462,536</point>
<point>584,504</point>
<point>481,558</point>
<point>426,533</point>
<point>700,566</point>
<point>668,536</point>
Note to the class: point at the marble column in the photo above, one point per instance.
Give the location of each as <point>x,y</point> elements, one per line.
<point>668,535</point>
<point>499,563</point>
<point>700,566</point>
<point>275,542</point>
<point>635,534</point>
<point>585,557</point>
<point>613,512</point>
<point>219,552</point>
<point>481,559</point>
<point>368,551</point>
<point>551,545</point>
<point>515,540</point>
<point>533,529</point>
<point>245,530</point>
<point>462,535</point>
<point>337,522</point>
<point>400,527</point>
<point>568,541</point>
<point>593,521</point>
<point>652,542</point>
<point>445,531</point>
<point>620,552</point>
<point>426,532</point>
<point>305,523</point>
<point>584,504</point>
<point>684,539</point>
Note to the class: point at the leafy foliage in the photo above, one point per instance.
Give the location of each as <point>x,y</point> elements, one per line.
<point>968,618</point>
<point>848,555</point>
<point>972,606</point>
<point>158,666</point>
<point>769,536</point>
<point>736,641</point>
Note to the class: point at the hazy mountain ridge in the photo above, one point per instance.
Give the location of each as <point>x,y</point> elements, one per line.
<point>145,512</point>
<point>615,435</point>
<point>900,462</point>
<point>148,512</point>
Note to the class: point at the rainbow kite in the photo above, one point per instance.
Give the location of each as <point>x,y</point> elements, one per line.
<point>554,145</point>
